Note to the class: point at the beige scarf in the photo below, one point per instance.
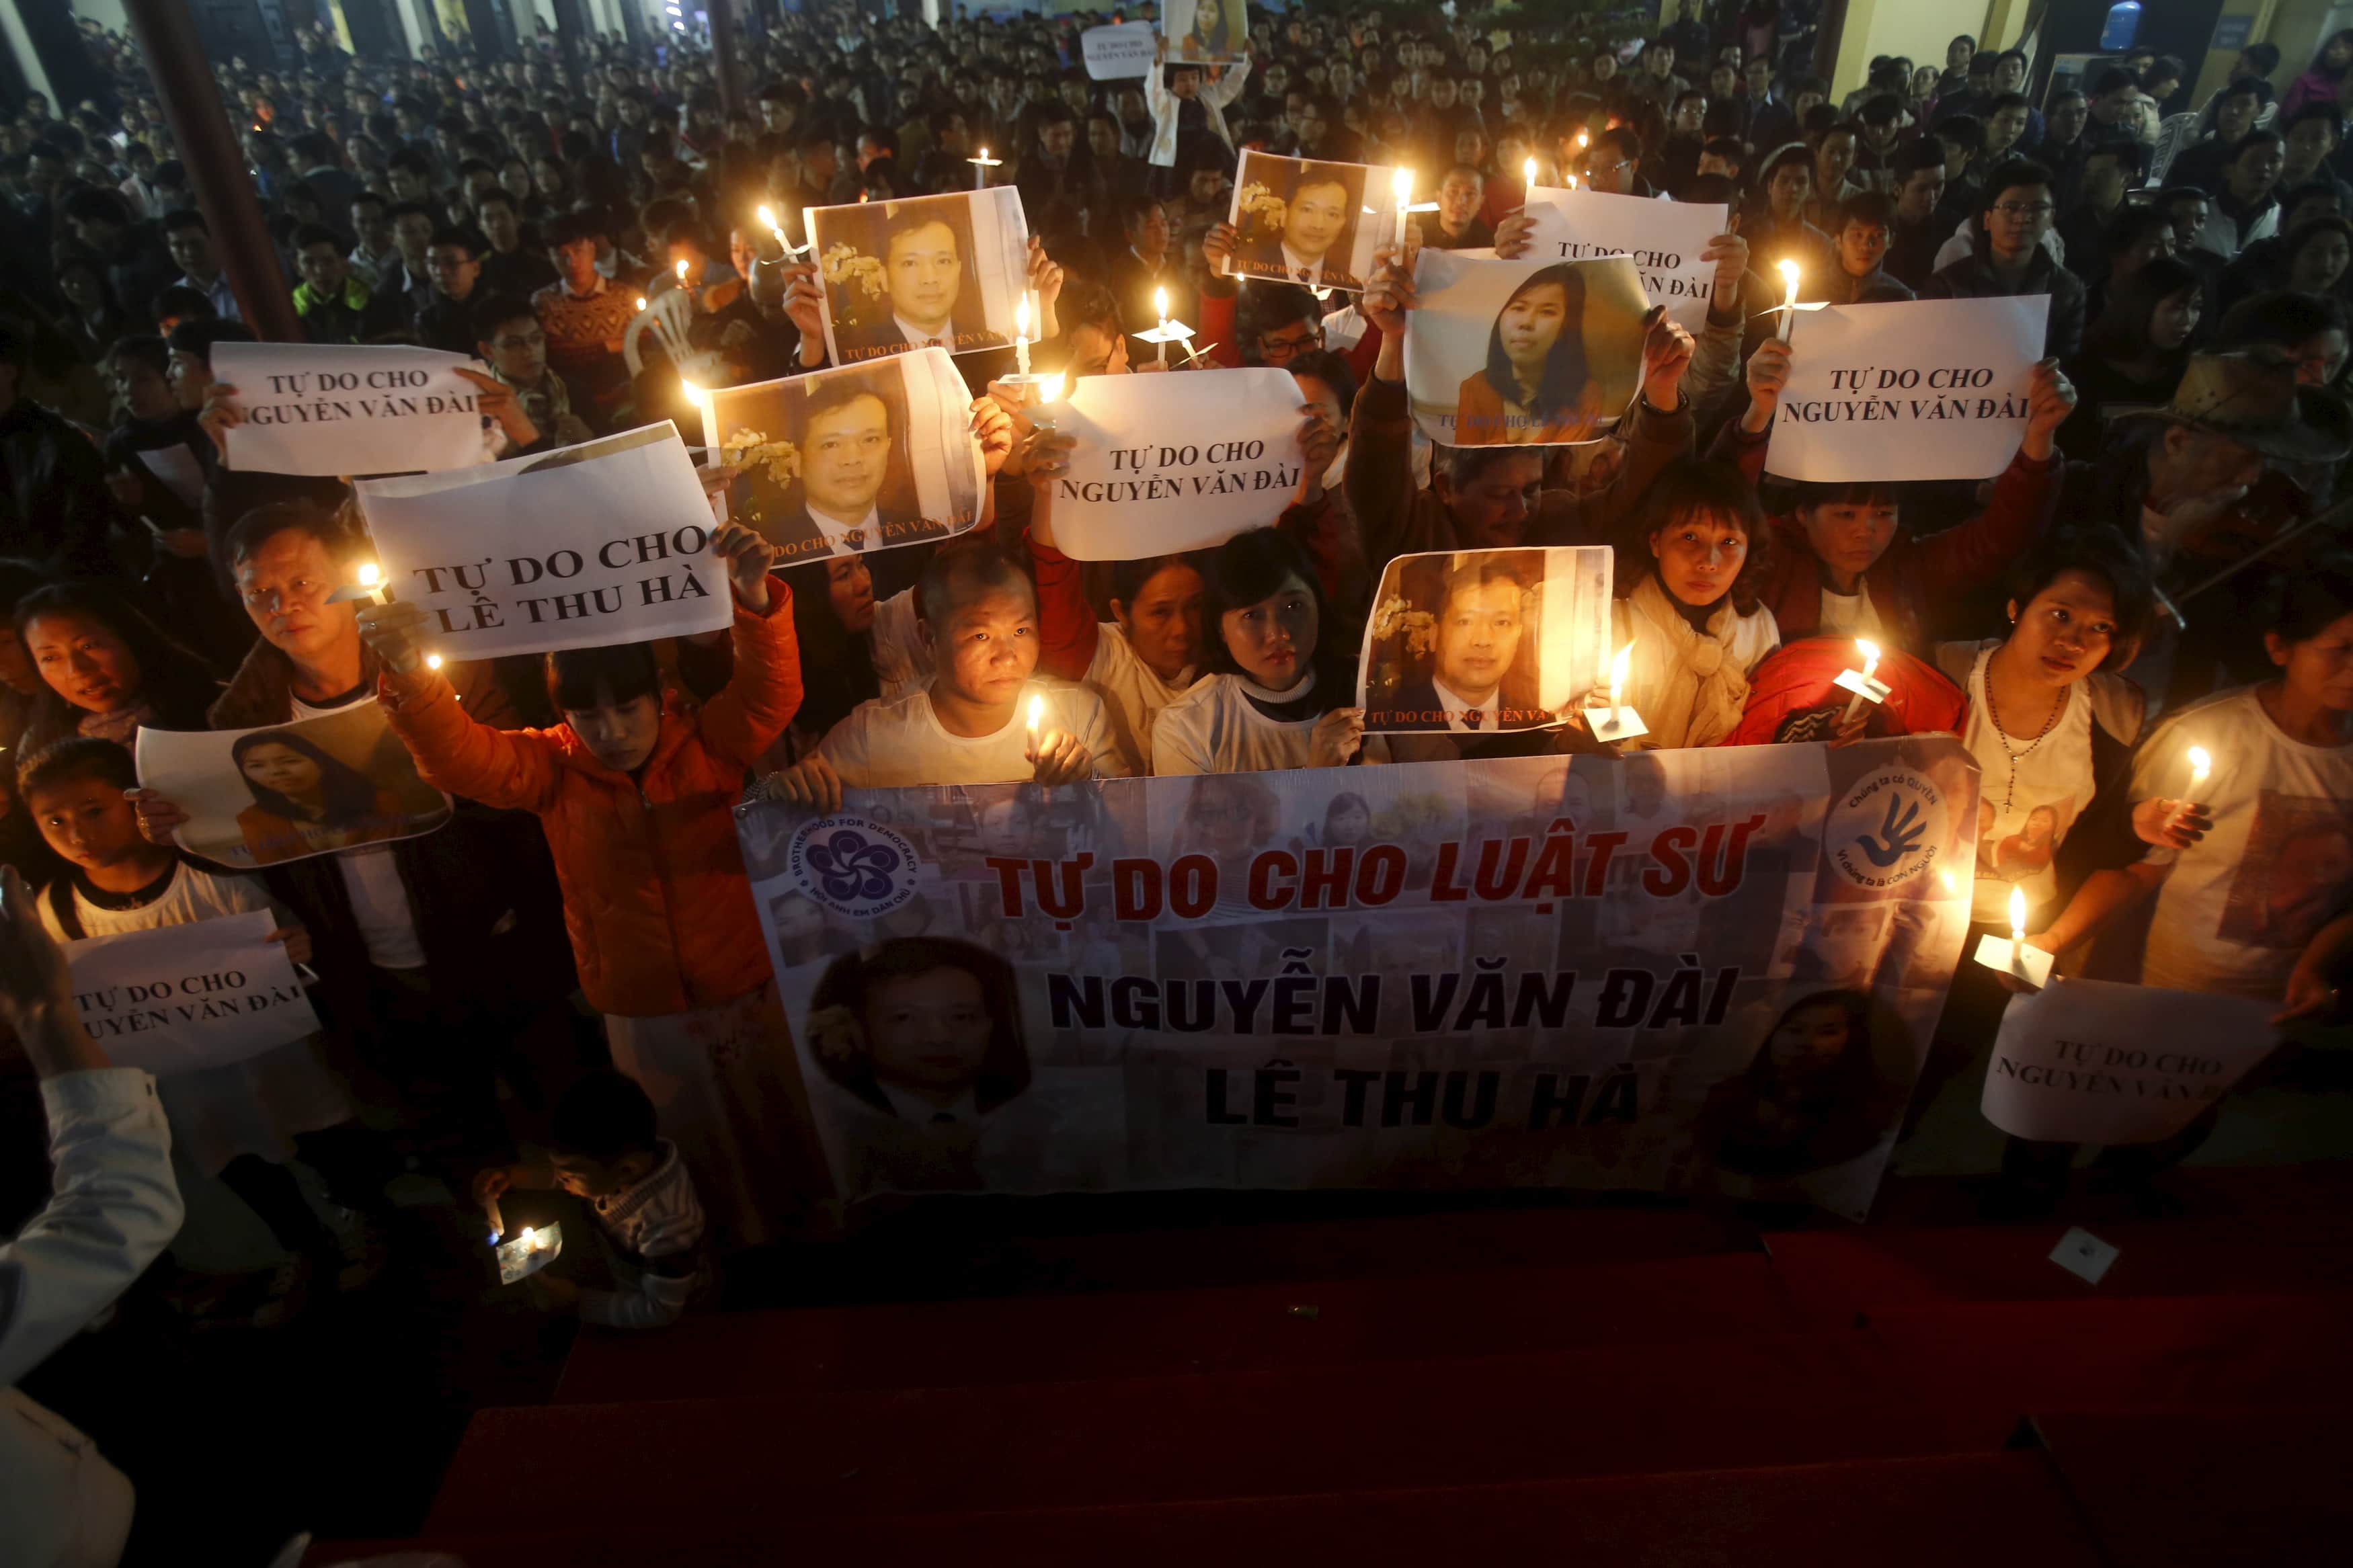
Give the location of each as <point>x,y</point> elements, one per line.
<point>1700,681</point>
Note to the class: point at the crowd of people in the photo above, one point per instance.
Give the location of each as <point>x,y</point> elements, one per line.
<point>566,985</point>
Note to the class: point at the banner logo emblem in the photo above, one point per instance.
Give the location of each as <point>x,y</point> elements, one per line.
<point>851,866</point>
<point>1887,829</point>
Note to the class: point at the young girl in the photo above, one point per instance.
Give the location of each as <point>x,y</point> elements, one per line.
<point>1697,629</point>
<point>636,798</point>
<point>2135,354</point>
<point>242,1122</point>
<point>1275,696</point>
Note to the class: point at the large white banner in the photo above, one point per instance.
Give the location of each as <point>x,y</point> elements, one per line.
<point>608,542</point>
<point>182,997</point>
<point>1526,353</point>
<point>1709,969</point>
<point>1175,462</point>
<point>2090,1061</point>
<point>1924,389</point>
<point>1117,52</point>
<point>310,408</point>
<point>1665,239</point>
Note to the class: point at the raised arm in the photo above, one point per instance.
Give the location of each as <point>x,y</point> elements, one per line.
<point>513,770</point>
<point>1380,480</point>
<point>760,697</point>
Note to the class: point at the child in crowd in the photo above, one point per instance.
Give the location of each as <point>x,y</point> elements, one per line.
<point>242,1122</point>
<point>649,1226</point>
<point>636,797</point>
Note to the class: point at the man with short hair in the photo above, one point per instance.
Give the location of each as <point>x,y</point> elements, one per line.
<point>1479,623</point>
<point>2246,207</point>
<point>1914,235</point>
<point>1459,225</point>
<point>1866,222</point>
<point>977,620</point>
<point>512,266</point>
<point>1148,263</point>
<point>453,267</point>
<point>412,236</point>
<point>1654,79</point>
<point>375,258</point>
<point>2016,214</point>
<point>1613,163</point>
<point>2009,77</point>
<point>1765,122</point>
<point>509,341</point>
<point>190,241</point>
<point>2205,163</point>
<point>138,266</point>
<point>334,306</point>
<point>1049,174</point>
<point>2109,170</point>
<point>586,315</point>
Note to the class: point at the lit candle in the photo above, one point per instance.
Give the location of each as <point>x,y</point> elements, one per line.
<point>1037,717</point>
<point>2014,957</point>
<point>1401,186</point>
<point>1788,297</point>
<point>1862,688</point>
<point>1617,721</point>
<point>2201,763</point>
<point>1528,174</point>
<point>1160,308</point>
<point>432,661</point>
<point>1021,336</point>
<point>980,168</point>
<point>702,401</point>
<point>371,579</point>
<point>1581,140</point>
<point>681,273</point>
<point>2018,916</point>
<point>768,221</point>
<point>530,1239</point>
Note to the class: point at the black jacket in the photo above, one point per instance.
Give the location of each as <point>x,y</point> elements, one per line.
<point>54,509</point>
<point>1972,278</point>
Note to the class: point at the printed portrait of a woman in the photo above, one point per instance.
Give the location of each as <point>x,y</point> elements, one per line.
<point>1535,388</point>
<point>307,800</point>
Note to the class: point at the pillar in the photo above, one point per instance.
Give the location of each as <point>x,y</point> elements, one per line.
<point>208,147</point>
<point>726,58</point>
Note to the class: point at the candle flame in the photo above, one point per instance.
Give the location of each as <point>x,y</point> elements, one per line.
<point>1581,138</point>
<point>1789,276</point>
<point>1529,170</point>
<point>984,156</point>
<point>682,271</point>
<point>1402,183</point>
<point>432,661</point>
<point>641,305</point>
<point>1618,674</point>
<point>1946,880</point>
<point>767,219</point>
<point>1869,649</point>
<point>529,1238</point>
<point>1037,713</point>
<point>1050,389</point>
<point>2017,914</point>
<point>1021,317</point>
<point>1160,304</point>
<point>370,575</point>
<point>2201,762</point>
<point>1572,181</point>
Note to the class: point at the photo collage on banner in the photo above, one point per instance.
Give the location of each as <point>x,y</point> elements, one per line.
<point>286,792</point>
<point>945,271</point>
<point>1305,221</point>
<point>1434,975</point>
<point>845,461</point>
<point>1527,353</point>
<point>1484,639</point>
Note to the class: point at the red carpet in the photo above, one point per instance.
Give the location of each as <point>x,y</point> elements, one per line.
<point>2212,1490</point>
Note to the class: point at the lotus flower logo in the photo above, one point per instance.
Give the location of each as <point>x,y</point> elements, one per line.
<point>852,868</point>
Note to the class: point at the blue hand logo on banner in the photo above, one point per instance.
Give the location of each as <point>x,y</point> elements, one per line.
<point>1878,831</point>
<point>1897,837</point>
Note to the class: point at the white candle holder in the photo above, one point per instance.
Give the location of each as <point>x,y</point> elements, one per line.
<point>1866,688</point>
<point>2011,956</point>
<point>1609,724</point>
<point>980,168</point>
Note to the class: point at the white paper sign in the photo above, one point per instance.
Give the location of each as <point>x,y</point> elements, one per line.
<point>1173,462</point>
<point>2089,1061</point>
<point>188,996</point>
<point>1117,52</point>
<point>1666,240</point>
<point>607,542</point>
<point>313,408</point>
<point>1925,389</point>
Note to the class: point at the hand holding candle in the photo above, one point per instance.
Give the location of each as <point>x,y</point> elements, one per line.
<point>1021,336</point>
<point>1788,299</point>
<point>1865,682</point>
<point>1617,721</point>
<point>1401,187</point>
<point>2202,764</point>
<point>2015,959</point>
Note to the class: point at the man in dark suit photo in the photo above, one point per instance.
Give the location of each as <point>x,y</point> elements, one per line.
<point>930,294</point>
<point>1473,680</point>
<point>1315,244</point>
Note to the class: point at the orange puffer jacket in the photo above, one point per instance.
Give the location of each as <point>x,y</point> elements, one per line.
<point>655,897</point>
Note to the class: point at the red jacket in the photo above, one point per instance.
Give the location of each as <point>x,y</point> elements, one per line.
<point>655,898</point>
<point>1912,570</point>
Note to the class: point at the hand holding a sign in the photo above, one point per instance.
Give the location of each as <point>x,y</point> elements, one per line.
<point>494,399</point>
<point>1387,296</point>
<point>1335,738</point>
<point>1666,354</point>
<point>1768,374</point>
<point>1045,282</point>
<point>158,818</point>
<point>747,558</point>
<point>2050,398</point>
<point>1730,254</point>
<point>993,429</point>
<point>1218,247</point>
<point>811,782</point>
<point>220,414</point>
<point>1515,236</point>
<point>396,633</point>
<point>1318,443</point>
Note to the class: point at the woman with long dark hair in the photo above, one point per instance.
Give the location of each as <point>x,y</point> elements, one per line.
<point>2134,354</point>
<point>1535,389</point>
<point>1808,1099</point>
<point>2319,82</point>
<point>306,800</point>
<point>108,670</point>
<point>1277,694</point>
